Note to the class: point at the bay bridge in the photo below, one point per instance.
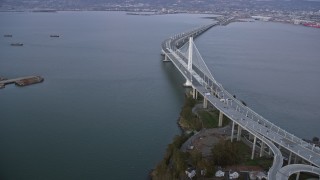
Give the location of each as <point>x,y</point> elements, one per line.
<point>275,141</point>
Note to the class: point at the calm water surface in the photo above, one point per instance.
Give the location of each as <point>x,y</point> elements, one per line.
<point>108,106</point>
<point>274,68</point>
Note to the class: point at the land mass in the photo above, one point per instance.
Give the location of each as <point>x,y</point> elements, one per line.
<point>306,12</point>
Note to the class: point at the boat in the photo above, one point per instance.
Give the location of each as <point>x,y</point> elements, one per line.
<point>312,25</point>
<point>54,35</point>
<point>16,44</point>
<point>7,35</point>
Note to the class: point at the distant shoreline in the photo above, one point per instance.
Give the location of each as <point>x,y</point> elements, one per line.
<point>304,23</point>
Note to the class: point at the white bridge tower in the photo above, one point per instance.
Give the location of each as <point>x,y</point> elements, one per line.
<point>188,82</point>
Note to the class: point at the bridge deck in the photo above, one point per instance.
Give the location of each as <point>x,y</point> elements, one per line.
<point>239,113</point>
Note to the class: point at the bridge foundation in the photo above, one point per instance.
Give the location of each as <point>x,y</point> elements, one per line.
<point>239,133</point>
<point>187,83</point>
<point>220,119</point>
<point>166,59</point>
<point>253,146</point>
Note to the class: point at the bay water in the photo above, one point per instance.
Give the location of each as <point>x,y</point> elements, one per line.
<point>108,106</point>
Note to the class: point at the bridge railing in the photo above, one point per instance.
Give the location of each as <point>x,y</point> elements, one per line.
<point>248,112</point>
<point>235,103</point>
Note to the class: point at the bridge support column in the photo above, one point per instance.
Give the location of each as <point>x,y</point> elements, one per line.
<point>239,133</point>
<point>270,151</point>
<point>195,93</point>
<point>220,119</point>
<point>298,176</point>
<point>205,103</point>
<point>253,146</point>
<point>295,159</point>
<point>232,131</point>
<point>166,58</point>
<point>250,136</point>
<point>289,159</point>
<point>261,149</point>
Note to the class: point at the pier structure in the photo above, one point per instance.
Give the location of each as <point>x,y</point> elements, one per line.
<point>21,81</point>
<point>265,137</point>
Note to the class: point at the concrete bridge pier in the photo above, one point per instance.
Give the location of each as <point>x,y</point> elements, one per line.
<point>289,159</point>
<point>261,149</point>
<point>220,119</point>
<point>270,151</point>
<point>239,133</point>
<point>166,59</point>
<point>205,103</point>
<point>298,176</point>
<point>250,136</point>
<point>194,93</point>
<point>295,159</point>
<point>232,131</point>
<point>253,146</point>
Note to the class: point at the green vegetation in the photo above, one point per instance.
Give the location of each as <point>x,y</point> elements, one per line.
<point>315,139</point>
<point>210,119</point>
<point>206,118</point>
<point>263,162</point>
<point>196,160</point>
<point>189,121</point>
<point>174,162</point>
<point>227,153</point>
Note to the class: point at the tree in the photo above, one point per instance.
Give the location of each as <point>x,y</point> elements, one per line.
<point>315,139</point>
<point>225,153</point>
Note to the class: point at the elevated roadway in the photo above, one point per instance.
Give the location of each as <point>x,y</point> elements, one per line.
<point>203,83</point>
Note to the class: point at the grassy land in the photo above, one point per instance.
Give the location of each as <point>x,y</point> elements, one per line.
<point>228,153</point>
<point>210,119</point>
<point>245,151</point>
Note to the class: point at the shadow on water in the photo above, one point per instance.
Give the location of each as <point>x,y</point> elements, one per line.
<point>174,77</point>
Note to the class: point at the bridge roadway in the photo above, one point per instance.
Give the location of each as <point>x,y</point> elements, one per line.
<point>242,115</point>
<point>278,159</point>
<point>176,41</point>
<point>287,171</point>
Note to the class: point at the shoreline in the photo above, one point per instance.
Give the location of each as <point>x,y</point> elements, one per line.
<point>154,12</point>
<point>190,136</point>
<point>190,143</point>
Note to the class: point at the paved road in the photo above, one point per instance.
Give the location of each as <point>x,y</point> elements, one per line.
<point>285,172</point>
